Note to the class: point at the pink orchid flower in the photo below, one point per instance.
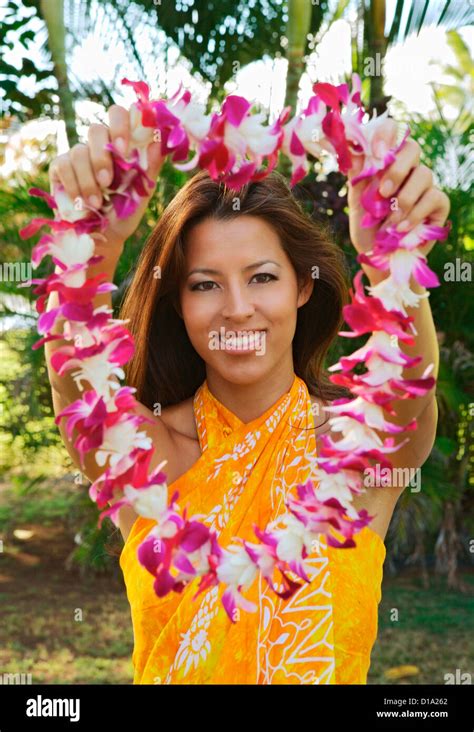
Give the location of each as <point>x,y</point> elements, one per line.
<point>238,143</point>
<point>130,473</point>
<point>97,363</point>
<point>366,314</point>
<point>377,155</point>
<point>318,516</point>
<point>303,134</point>
<point>142,120</point>
<point>129,185</point>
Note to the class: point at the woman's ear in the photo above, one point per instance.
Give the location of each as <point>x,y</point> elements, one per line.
<point>305,291</point>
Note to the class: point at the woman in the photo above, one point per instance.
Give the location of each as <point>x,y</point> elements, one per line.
<point>235,301</point>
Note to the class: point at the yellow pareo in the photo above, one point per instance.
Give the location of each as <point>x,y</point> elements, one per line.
<point>323,634</point>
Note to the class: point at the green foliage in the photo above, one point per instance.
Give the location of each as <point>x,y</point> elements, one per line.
<point>17,208</point>
<point>425,13</point>
<point>215,41</point>
<point>18,31</point>
<point>26,418</point>
<point>429,631</point>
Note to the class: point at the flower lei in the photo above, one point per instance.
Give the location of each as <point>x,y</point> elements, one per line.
<point>232,145</point>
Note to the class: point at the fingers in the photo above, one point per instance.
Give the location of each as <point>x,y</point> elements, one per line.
<point>119,127</point>
<point>61,171</point>
<point>407,159</point>
<point>74,170</point>
<point>155,160</point>
<point>81,161</point>
<point>101,158</point>
<point>418,181</point>
<point>433,205</point>
<point>384,139</point>
<point>87,169</point>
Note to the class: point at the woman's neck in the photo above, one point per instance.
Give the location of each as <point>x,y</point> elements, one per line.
<point>250,400</point>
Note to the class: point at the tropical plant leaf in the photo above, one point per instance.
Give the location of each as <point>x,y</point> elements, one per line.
<point>427,13</point>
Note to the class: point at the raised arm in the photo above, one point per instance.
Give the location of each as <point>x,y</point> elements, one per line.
<point>84,172</point>
<point>414,199</point>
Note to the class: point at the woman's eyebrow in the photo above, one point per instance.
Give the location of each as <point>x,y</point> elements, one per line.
<point>205,270</point>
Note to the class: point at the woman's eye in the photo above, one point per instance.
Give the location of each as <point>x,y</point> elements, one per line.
<point>265,274</point>
<point>209,282</point>
<point>199,284</point>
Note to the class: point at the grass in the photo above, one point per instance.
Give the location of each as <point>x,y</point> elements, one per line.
<point>429,629</point>
<point>58,625</point>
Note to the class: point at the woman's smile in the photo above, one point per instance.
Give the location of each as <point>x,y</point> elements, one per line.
<point>243,341</point>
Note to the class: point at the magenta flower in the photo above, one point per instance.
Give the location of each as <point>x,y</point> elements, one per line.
<point>112,434</point>
<point>238,143</point>
<point>74,219</point>
<point>98,362</point>
<point>319,516</point>
<point>377,207</point>
<point>369,139</point>
<point>130,183</point>
<point>303,134</point>
<point>366,314</point>
<point>398,252</point>
<point>131,474</point>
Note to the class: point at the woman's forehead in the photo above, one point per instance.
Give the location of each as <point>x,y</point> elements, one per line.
<point>242,236</point>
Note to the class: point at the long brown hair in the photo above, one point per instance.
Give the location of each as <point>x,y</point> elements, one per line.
<point>166,369</point>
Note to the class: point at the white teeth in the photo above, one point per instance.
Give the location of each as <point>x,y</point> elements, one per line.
<point>247,342</point>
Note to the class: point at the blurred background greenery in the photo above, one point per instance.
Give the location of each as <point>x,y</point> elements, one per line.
<point>60,65</point>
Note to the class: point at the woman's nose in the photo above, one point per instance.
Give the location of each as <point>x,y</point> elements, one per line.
<point>237,303</point>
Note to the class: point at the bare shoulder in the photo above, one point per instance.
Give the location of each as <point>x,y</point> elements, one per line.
<point>179,418</point>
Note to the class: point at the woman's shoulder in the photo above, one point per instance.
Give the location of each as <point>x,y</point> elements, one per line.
<point>180,418</point>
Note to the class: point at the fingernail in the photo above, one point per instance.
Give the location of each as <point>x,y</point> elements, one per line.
<point>403,225</point>
<point>386,188</point>
<point>94,201</point>
<point>120,145</point>
<point>103,176</point>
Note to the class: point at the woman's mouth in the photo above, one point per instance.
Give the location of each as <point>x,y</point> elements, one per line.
<point>243,342</point>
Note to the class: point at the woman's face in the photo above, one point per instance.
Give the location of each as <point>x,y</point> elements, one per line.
<point>240,318</point>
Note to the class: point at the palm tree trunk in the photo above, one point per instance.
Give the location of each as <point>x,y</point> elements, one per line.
<point>52,12</point>
<point>299,21</point>
<point>377,44</point>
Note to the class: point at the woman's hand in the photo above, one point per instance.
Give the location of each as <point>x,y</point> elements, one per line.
<point>86,170</point>
<point>409,187</point>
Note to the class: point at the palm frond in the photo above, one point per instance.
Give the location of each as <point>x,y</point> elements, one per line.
<point>450,14</point>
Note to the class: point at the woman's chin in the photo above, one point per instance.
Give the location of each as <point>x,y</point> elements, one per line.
<point>242,370</point>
